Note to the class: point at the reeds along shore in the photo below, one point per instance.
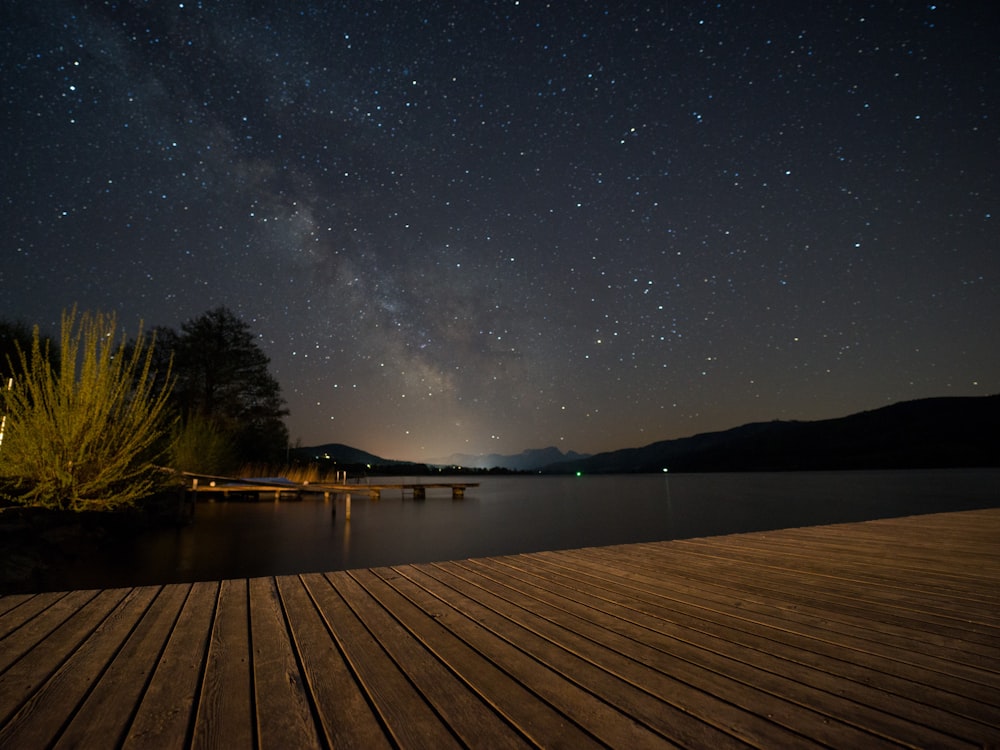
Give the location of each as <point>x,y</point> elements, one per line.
<point>297,473</point>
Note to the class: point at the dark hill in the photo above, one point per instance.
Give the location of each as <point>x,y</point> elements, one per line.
<point>928,433</point>
<point>340,453</point>
<point>355,461</point>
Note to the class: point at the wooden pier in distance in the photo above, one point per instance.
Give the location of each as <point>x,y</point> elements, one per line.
<point>877,634</point>
<point>418,490</point>
<point>227,486</point>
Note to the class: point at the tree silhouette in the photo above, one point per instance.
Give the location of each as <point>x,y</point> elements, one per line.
<point>222,380</point>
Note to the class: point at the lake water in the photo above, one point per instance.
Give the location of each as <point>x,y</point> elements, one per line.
<point>513,514</point>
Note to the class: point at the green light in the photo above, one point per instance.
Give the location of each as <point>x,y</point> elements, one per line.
<point>579,473</point>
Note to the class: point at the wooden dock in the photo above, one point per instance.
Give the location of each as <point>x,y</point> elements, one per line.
<point>227,487</point>
<point>863,635</point>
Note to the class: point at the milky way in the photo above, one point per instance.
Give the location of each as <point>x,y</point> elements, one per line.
<point>490,226</point>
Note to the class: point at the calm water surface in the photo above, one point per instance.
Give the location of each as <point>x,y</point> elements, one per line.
<point>508,515</point>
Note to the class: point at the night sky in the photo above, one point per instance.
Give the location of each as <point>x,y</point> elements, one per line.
<point>490,226</point>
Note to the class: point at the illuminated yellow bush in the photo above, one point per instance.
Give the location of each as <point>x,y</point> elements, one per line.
<point>84,434</point>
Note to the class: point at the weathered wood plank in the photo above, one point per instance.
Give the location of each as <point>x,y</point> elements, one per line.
<point>668,705</point>
<point>225,716</point>
<point>428,618</point>
<point>105,716</point>
<point>10,602</point>
<point>920,552</point>
<point>848,698</point>
<point>522,654</point>
<point>404,711</point>
<point>459,708</point>
<point>883,559</point>
<point>165,714</point>
<point>907,592</point>
<point>770,588</point>
<point>724,590</point>
<point>688,610</point>
<point>34,625</point>
<point>345,715</point>
<point>665,661</point>
<point>283,706</point>
<point>25,676</point>
<point>21,608</point>
<point>850,592</point>
<point>40,719</point>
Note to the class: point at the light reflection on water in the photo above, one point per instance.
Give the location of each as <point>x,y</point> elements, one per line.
<point>514,514</point>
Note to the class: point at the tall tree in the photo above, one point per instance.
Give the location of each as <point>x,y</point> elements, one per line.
<point>223,380</point>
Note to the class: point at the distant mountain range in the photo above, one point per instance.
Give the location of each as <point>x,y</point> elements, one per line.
<point>926,433</point>
<point>529,460</point>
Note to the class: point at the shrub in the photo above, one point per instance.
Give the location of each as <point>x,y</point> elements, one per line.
<point>83,435</point>
<point>200,447</point>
